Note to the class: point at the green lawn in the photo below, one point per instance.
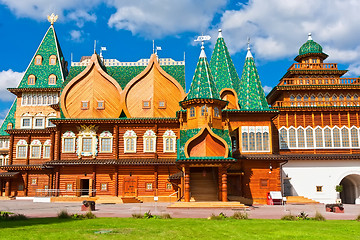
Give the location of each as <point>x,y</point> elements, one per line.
<point>128,228</point>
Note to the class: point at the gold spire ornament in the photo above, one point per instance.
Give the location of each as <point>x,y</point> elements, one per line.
<point>52,18</point>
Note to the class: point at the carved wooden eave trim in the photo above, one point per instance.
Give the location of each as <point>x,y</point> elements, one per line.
<point>27,131</point>
<point>112,120</point>
<point>23,167</point>
<point>94,63</point>
<point>212,134</point>
<point>19,91</point>
<point>319,109</point>
<point>186,103</point>
<point>235,94</point>
<point>152,63</point>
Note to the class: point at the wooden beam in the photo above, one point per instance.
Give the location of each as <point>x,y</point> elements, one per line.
<point>187,184</point>
<point>11,147</point>
<point>116,181</point>
<point>224,185</point>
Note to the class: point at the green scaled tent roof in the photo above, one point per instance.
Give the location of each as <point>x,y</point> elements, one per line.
<point>310,47</point>
<point>10,118</point>
<point>251,94</point>
<point>49,46</point>
<point>222,67</point>
<point>203,85</point>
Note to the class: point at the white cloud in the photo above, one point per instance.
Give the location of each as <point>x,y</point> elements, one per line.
<point>74,10</point>
<point>267,89</point>
<point>76,35</point>
<point>8,79</point>
<point>279,27</point>
<point>158,18</point>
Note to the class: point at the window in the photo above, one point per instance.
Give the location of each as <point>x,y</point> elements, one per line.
<point>301,138</point>
<point>84,105</point>
<point>26,122</point>
<point>292,138</point>
<point>192,112</point>
<point>168,186</point>
<point>162,104</point>
<point>354,137</point>
<point>283,139</point>
<point>130,141</point>
<point>146,104</point>
<point>345,137</point>
<point>87,141</point>
<point>309,138</point>
<point>86,144</point>
<point>336,137</point>
<point>169,141</point>
<point>264,183</point>
<point>100,105</point>
<point>52,60</point>
<point>52,79</point>
<point>34,181</point>
<point>49,123</point>
<point>149,141</point>
<point>149,186</point>
<point>21,149</point>
<point>104,187</point>
<point>319,137</point>
<point>39,123</point>
<point>38,60</point>
<point>327,137</point>
<point>47,149</point>
<point>204,110</point>
<point>9,126</point>
<point>216,112</point>
<point>319,188</point>
<point>255,138</point>
<point>68,140</point>
<point>69,187</point>
<point>106,141</point>
<point>31,80</point>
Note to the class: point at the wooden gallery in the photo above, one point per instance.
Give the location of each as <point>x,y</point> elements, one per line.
<point>129,129</point>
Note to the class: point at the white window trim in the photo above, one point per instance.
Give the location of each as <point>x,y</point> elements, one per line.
<point>43,123</point>
<point>87,133</point>
<point>47,143</point>
<point>130,134</point>
<point>22,123</point>
<point>149,134</point>
<point>68,135</point>
<point>21,143</point>
<point>106,134</point>
<point>256,129</point>
<point>169,134</point>
<point>35,143</point>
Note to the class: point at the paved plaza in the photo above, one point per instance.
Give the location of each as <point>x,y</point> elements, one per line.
<point>33,210</point>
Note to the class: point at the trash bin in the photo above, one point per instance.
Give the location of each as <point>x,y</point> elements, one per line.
<point>274,198</point>
<point>88,206</point>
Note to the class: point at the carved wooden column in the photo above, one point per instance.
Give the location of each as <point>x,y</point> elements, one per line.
<point>156,176</point>
<point>224,185</point>
<point>7,188</point>
<point>11,148</point>
<point>26,183</point>
<point>116,141</point>
<point>52,146</point>
<point>116,181</point>
<point>219,183</point>
<point>57,181</point>
<point>94,182</point>
<point>28,139</point>
<point>187,184</point>
<point>58,143</point>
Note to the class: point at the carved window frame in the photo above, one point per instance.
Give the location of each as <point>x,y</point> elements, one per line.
<point>21,144</point>
<point>130,139</point>
<point>68,135</point>
<point>169,141</point>
<point>105,135</point>
<point>35,144</point>
<point>149,141</point>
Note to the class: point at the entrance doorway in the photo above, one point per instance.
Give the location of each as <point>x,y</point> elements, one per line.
<point>204,183</point>
<point>2,187</point>
<point>351,188</point>
<point>84,187</point>
<point>130,186</point>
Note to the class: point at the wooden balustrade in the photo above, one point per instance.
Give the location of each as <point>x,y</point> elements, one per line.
<point>319,81</point>
<point>306,66</point>
<point>350,103</point>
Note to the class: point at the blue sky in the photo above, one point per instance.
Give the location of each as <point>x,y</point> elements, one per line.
<point>277,29</point>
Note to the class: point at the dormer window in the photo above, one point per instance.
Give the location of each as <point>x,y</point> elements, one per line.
<point>84,105</point>
<point>162,104</point>
<point>52,79</point>
<point>52,60</point>
<point>9,126</point>
<point>100,105</point>
<point>38,60</point>
<point>192,112</point>
<point>146,104</point>
<point>204,110</point>
<point>216,112</point>
<point>31,80</point>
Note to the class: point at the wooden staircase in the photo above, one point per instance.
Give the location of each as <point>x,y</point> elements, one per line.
<point>109,200</point>
<point>232,205</point>
<point>131,200</point>
<point>203,187</point>
<point>300,200</point>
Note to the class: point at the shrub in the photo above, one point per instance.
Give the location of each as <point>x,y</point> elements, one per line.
<point>137,215</point>
<point>240,215</point>
<point>11,216</point>
<point>319,217</point>
<point>90,215</point>
<point>221,216</point>
<point>148,215</point>
<point>358,218</point>
<point>63,214</point>
<point>166,216</point>
<point>289,217</point>
<point>303,216</point>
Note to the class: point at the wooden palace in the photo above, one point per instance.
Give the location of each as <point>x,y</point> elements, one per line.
<point>130,130</point>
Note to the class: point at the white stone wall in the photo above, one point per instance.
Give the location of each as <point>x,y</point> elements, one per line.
<point>307,174</point>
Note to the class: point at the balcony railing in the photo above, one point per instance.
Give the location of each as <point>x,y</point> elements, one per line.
<point>317,103</point>
<point>313,66</point>
<point>319,81</point>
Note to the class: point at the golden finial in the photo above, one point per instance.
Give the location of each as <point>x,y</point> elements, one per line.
<point>52,18</point>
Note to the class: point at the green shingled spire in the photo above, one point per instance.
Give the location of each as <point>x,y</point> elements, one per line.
<point>49,46</point>
<point>251,94</point>
<point>222,67</point>
<point>10,118</point>
<point>203,85</point>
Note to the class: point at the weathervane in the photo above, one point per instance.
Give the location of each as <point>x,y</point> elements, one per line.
<point>248,42</point>
<point>52,18</point>
<point>202,39</point>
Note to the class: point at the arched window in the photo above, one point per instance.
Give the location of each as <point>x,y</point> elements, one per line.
<point>31,79</point>
<point>245,139</point>
<point>301,137</point>
<point>283,138</point>
<point>345,137</point>
<point>35,149</point>
<point>68,142</point>
<point>319,138</point>
<point>336,137</point>
<point>204,110</point>
<point>192,112</point>
<point>130,141</point>
<point>258,141</point>
<point>252,139</point>
<point>46,149</point>
<point>313,99</point>
<point>320,97</point>
<point>354,137</point>
<point>38,60</point>
<point>327,97</point>
<point>52,79</point>
<point>341,100</point>
<point>309,137</point>
<point>149,139</point>
<point>306,99</point>
<point>21,149</point>
<point>106,141</point>
<point>348,100</point>
<point>52,60</point>
<point>9,126</point>
<point>292,138</point>
<point>216,112</point>
<point>334,99</point>
<point>327,137</point>
<point>169,141</point>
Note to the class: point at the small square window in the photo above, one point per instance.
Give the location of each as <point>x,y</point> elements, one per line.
<point>46,187</point>
<point>84,105</point>
<point>104,187</point>
<point>149,186</point>
<point>69,187</point>
<point>26,123</point>
<point>169,186</point>
<point>319,188</point>
<point>39,122</point>
<point>34,181</point>
<point>100,105</point>
<point>162,104</point>
<point>21,187</point>
<point>146,104</point>
<point>264,183</point>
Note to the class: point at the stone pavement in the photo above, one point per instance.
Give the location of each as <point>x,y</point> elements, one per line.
<point>31,209</point>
